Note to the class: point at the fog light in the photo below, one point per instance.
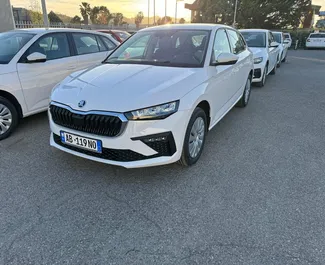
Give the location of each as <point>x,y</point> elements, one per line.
<point>155,139</point>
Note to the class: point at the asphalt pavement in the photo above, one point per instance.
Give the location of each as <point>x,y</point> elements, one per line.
<point>257,195</point>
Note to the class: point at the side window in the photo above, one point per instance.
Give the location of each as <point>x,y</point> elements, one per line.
<point>236,42</point>
<point>110,45</point>
<point>101,45</point>
<point>220,45</point>
<point>54,46</point>
<point>271,38</point>
<point>86,43</point>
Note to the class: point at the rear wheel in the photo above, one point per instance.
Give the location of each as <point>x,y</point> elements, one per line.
<point>242,103</point>
<point>279,62</point>
<point>194,138</point>
<point>8,118</point>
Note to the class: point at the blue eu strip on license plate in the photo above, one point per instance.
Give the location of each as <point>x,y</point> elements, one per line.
<point>81,142</point>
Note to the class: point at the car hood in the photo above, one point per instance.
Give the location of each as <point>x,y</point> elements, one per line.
<point>125,87</point>
<point>258,52</point>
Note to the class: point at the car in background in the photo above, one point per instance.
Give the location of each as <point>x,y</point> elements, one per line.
<point>266,53</point>
<point>279,38</point>
<point>287,39</point>
<point>316,40</point>
<point>33,61</point>
<point>118,35</point>
<point>155,106</point>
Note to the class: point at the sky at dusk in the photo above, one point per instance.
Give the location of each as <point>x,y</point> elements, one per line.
<point>129,8</point>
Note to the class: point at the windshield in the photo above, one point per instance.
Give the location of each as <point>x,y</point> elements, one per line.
<point>277,37</point>
<point>174,48</point>
<point>11,43</point>
<point>255,39</point>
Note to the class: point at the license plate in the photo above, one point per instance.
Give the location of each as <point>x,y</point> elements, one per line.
<point>81,142</point>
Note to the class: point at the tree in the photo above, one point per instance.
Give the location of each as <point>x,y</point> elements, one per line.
<point>271,14</point>
<point>35,12</point>
<point>118,19</point>
<point>182,21</point>
<point>85,11</point>
<point>138,19</point>
<point>76,20</point>
<point>164,20</point>
<point>53,18</point>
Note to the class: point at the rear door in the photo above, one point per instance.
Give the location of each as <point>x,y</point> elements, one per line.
<point>38,78</point>
<point>91,49</point>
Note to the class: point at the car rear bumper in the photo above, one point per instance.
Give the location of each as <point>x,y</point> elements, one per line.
<point>142,144</point>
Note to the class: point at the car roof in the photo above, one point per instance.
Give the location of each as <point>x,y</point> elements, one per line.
<point>194,26</point>
<point>277,32</point>
<point>48,30</point>
<point>254,30</point>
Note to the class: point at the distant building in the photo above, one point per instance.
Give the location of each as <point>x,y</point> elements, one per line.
<point>195,7</point>
<point>21,14</point>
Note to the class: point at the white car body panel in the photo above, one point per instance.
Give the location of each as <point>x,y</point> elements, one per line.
<point>31,83</point>
<point>283,47</point>
<point>122,88</point>
<point>316,42</point>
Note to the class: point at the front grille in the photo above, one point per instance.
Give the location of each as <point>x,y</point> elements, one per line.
<point>104,125</point>
<point>257,73</point>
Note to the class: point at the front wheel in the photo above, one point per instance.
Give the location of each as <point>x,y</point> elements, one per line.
<point>242,103</point>
<point>194,138</point>
<point>262,83</point>
<point>8,118</point>
<point>273,72</point>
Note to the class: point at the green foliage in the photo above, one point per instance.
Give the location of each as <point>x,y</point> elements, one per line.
<point>53,18</point>
<point>85,11</point>
<point>164,20</point>
<point>118,19</point>
<point>76,20</point>
<point>36,17</point>
<point>271,14</point>
<point>138,19</point>
<point>182,21</point>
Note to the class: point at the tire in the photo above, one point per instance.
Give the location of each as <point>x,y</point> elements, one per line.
<point>8,118</point>
<point>262,83</point>
<point>284,59</point>
<point>273,72</point>
<point>198,117</point>
<point>243,102</point>
<point>278,65</point>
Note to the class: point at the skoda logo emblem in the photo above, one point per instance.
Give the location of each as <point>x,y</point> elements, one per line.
<point>81,104</point>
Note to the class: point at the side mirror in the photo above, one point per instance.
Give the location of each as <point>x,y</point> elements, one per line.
<point>226,59</point>
<point>36,57</point>
<point>274,44</point>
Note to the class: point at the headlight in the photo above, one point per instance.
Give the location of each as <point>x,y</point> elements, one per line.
<point>154,113</point>
<point>258,60</point>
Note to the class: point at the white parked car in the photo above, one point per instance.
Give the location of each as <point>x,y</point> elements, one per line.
<point>316,40</point>
<point>266,53</point>
<point>279,38</point>
<point>156,105</point>
<point>32,61</point>
<point>287,39</point>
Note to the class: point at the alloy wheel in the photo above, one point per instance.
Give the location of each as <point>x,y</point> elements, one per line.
<point>196,138</point>
<point>5,119</point>
<point>247,91</point>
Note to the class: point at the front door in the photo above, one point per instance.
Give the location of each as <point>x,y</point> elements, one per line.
<point>38,78</point>
<point>221,81</point>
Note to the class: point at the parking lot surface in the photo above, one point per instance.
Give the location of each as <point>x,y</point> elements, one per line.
<point>256,195</point>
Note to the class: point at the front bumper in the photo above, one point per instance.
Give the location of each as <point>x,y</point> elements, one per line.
<point>133,148</point>
<point>258,72</point>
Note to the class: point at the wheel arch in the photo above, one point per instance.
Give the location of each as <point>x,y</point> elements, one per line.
<point>13,100</point>
<point>205,106</point>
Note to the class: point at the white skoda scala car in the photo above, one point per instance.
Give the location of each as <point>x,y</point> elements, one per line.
<point>154,99</point>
